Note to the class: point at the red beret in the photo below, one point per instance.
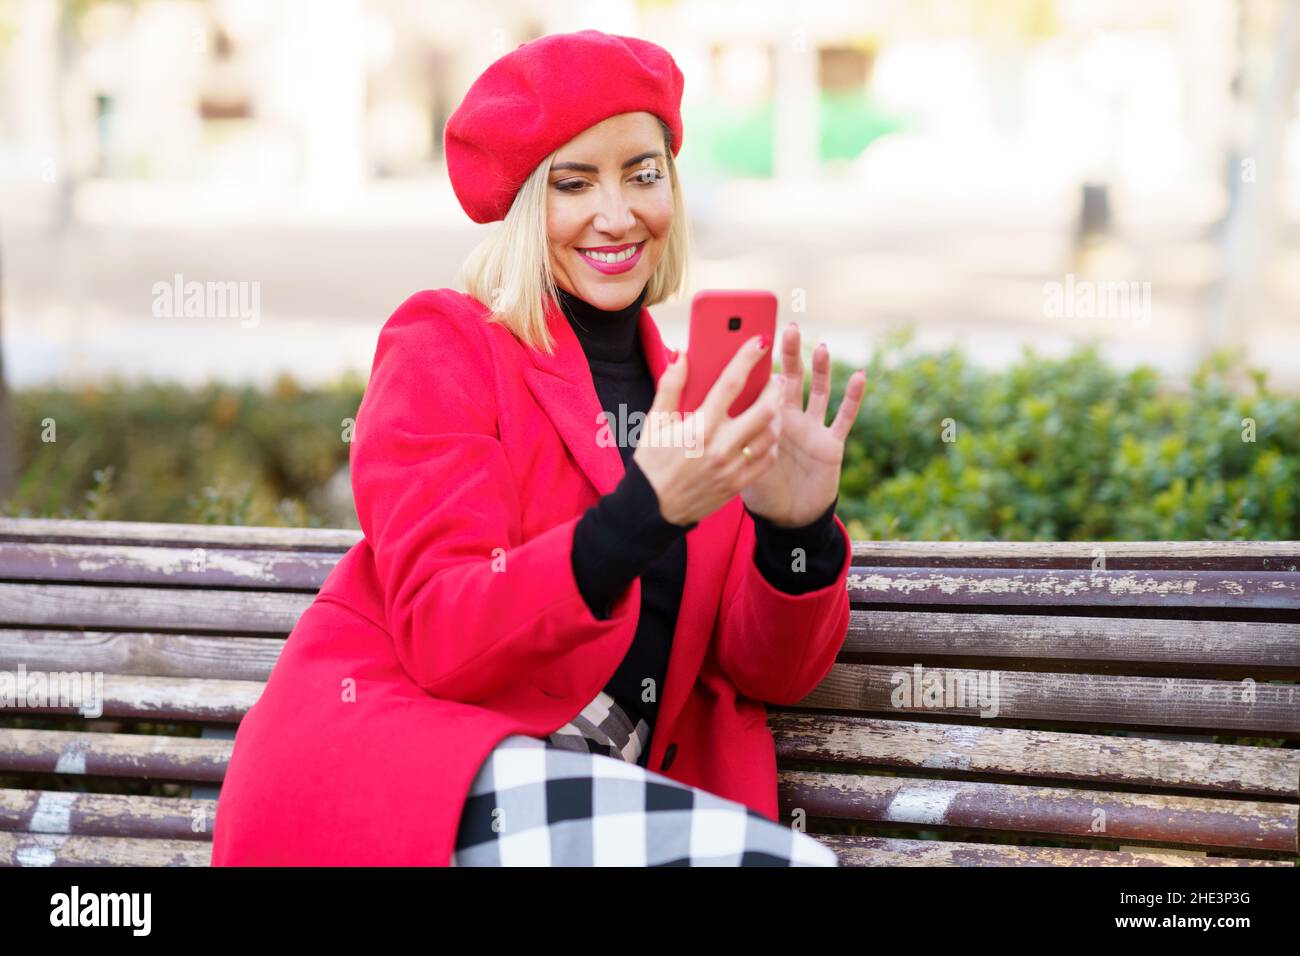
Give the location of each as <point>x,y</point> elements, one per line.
<point>535,99</point>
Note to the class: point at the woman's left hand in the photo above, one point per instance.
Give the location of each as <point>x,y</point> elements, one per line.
<point>806,475</point>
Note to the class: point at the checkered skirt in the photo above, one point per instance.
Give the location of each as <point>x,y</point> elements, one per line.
<point>603,727</point>
<point>578,797</point>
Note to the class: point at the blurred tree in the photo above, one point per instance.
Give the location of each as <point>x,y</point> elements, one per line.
<point>65,50</point>
<point>8,444</point>
<point>1250,230</point>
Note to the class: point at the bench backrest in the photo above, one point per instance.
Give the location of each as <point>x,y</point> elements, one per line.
<point>986,695</point>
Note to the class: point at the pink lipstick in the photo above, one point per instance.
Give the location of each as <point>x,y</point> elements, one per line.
<point>610,262</point>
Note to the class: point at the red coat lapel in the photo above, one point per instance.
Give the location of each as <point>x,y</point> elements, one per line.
<point>562,384</point>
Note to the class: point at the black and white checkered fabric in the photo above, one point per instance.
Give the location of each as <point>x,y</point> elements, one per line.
<point>537,804</point>
<point>604,727</point>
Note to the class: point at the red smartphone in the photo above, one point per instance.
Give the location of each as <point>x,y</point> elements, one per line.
<point>723,320</point>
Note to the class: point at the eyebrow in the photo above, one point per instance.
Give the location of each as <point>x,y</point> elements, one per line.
<point>588,168</point>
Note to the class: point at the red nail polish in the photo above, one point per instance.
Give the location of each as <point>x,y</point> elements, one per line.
<point>763,343</point>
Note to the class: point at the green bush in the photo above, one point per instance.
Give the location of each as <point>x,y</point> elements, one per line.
<point>1067,449</point>
<point>212,455</point>
<point>1049,449</point>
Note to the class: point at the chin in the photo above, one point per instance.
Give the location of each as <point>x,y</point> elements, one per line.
<point>613,292</point>
<point>607,303</point>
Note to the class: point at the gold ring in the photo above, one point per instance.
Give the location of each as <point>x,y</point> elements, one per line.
<point>749,455</point>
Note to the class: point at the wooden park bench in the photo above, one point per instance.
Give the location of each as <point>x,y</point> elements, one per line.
<point>1113,688</point>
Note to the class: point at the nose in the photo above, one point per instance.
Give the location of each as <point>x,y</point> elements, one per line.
<point>614,215</point>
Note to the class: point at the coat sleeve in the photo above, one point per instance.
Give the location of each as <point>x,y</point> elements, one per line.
<point>776,647</point>
<point>470,606</point>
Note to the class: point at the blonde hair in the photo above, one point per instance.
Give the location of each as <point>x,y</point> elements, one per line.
<point>510,270</point>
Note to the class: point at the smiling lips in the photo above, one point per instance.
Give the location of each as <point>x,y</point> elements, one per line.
<point>613,259</point>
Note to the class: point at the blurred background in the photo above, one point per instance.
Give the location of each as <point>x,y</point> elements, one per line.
<point>1062,235</point>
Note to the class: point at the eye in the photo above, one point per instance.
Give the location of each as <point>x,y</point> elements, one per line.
<point>640,177</point>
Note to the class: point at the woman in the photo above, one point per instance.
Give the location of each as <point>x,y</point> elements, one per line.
<point>552,647</point>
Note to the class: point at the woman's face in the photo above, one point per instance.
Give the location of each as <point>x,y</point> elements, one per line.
<point>609,192</point>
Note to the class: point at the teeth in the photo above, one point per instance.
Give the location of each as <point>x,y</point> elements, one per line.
<point>627,253</point>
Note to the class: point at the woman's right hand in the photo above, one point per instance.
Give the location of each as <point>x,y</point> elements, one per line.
<point>694,462</point>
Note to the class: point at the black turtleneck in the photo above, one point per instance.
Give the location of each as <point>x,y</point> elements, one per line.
<point>607,337</point>
<point>624,536</point>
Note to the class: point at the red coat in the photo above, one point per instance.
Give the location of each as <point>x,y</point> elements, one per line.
<point>457,620</point>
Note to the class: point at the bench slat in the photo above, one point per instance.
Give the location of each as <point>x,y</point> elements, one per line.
<point>136,756</point>
<point>1215,645</point>
<point>51,849</point>
<point>1031,637</point>
<point>167,699</point>
<point>152,654</point>
<point>1081,555</point>
<point>61,530</point>
<point>29,849</point>
<point>1098,700</point>
<point>1241,590</point>
<point>1260,555</point>
<point>1044,811</point>
<point>886,851</point>
<point>1127,761</point>
<point>132,608</point>
<point>1101,700</point>
<point>106,814</point>
<point>201,567</point>
<point>853,741</point>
